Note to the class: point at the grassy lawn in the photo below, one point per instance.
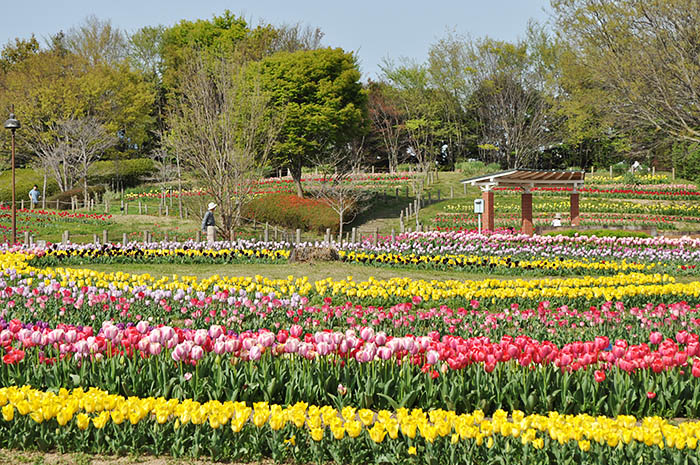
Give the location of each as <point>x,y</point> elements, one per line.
<point>314,271</point>
<point>14,457</point>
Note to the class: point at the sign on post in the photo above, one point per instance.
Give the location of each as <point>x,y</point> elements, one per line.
<point>479,209</point>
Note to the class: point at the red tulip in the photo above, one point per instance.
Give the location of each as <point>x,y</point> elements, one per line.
<point>599,376</point>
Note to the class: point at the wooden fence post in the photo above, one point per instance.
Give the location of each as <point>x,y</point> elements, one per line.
<point>266,234</point>
<point>94,238</point>
<point>452,192</point>
<point>145,237</point>
<point>375,238</point>
<point>125,238</point>
<point>353,235</point>
<point>198,236</point>
<point>298,238</point>
<point>26,237</point>
<point>105,236</point>
<point>140,210</point>
<point>327,238</point>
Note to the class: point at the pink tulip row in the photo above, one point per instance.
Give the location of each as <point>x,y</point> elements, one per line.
<point>364,345</point>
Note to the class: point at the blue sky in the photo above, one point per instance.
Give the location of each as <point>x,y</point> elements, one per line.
<point>375,29</point>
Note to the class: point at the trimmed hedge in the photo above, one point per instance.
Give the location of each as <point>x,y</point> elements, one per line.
<point>130,172</point>
<point>290,211</point>
<point>25,178</point>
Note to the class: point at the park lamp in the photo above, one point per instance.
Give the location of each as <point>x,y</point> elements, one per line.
<point>13,124</point>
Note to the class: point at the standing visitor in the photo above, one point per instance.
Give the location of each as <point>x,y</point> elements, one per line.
<point>208,219</point>
<point>34,196</point>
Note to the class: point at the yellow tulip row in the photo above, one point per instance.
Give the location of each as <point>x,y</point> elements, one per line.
<point>615,287</point>
<point>461,260</point>
<point>96,408</point>
<point>186,253</point>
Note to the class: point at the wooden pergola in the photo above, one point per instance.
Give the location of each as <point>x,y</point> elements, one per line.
<point>526,180</point>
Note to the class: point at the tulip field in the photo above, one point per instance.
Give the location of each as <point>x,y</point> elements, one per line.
<point>589,353</point>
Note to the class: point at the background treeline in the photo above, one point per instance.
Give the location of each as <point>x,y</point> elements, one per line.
<point>603,82</point>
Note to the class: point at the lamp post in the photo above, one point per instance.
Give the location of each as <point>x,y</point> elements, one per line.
<point>12,124</point>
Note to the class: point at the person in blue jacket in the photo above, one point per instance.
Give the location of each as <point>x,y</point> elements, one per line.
<point>34,196</point>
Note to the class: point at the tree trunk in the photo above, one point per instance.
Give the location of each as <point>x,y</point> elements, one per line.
<point>85,188</point>
<point>179,184</point>
<point>340,226</point>
<point>296,176</point>
<point>43,193</point>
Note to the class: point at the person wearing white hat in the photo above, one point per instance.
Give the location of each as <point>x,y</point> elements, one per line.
<point>556,222</point>
<point>208,219</point>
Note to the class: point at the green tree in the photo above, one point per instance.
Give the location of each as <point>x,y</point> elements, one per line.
<point>636,63</point>
<point>12,54</point>
<point>52,86</point>
<point>423,111</point>
<point>223,37</point>
<point>322,99</point>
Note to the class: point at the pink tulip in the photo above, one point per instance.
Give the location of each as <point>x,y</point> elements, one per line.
<point>196,353</point>
<point>154,348</point>
<point>255,352</point>
<point>432,357</point>
<point>215,331</point>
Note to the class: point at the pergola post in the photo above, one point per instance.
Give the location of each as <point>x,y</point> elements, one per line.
<point>489,210</point>
<point>574,209</point>
<point>526,212</point>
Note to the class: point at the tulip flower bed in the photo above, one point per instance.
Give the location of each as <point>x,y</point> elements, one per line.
<point>36,221</point>
<point>669,192</point>
<point>465,250</point>
<point>372,182</point>
<point>456,222</point>
<point>547,370</point>
<point>643,179</point>
<point>685,210</point>
<point>95,421</point>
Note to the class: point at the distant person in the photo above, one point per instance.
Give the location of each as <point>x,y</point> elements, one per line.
<point>208,219</point>
<point>556,222</point>
<point>34,196</point>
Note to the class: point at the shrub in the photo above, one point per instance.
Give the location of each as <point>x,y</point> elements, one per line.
<point>477,167</point>
<point>25,178</point>
<point>293,212</point>
<point>64,197</point>
<point>130,172</point>
<point>599,233</point>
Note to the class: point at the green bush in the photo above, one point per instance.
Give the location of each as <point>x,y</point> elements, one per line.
<point>599,233</point>
<point>25,178</point>
<point>620,169</point>
<point>290,211</point>
<point>686,158</point>
<point>130,172</point>
<point>476,167</point>
<point>64,197</point>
